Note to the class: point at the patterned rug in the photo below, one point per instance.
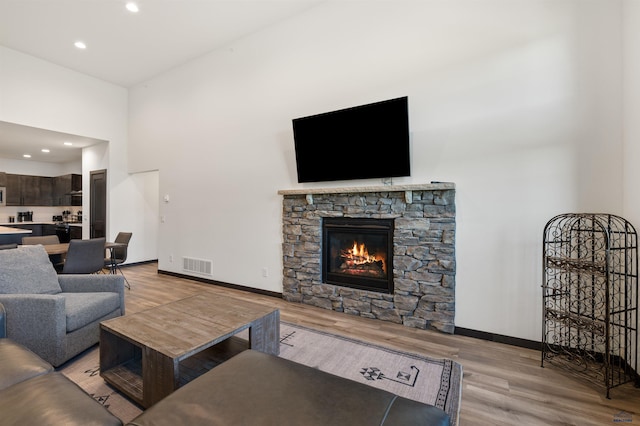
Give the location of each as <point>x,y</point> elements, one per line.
<point>434,381</point>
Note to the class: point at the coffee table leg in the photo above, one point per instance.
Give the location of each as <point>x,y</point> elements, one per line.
<point>264,334</point>
<point>160,376</point>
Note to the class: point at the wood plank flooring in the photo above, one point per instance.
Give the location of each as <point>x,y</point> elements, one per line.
<point>503,385</point>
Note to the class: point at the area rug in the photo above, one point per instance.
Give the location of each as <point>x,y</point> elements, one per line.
<point>437,382</point>
<point>434,381</point>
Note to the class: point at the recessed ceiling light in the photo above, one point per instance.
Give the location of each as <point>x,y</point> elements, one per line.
<point>27,155</point>
<point>80,45</point>
<point>132,7</point>
<point>45,150</point>
<point>68,143</point>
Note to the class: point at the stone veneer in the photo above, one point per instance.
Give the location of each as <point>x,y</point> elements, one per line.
<point>424,262</point>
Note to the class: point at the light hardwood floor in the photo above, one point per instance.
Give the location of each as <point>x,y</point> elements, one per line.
<point>503,385</point>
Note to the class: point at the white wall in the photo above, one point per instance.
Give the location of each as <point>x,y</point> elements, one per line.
<point>517,102</point>
<point>39,94</point>
<point>631,128</point>
<point>37,168</point>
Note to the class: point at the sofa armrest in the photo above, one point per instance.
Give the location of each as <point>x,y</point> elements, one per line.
<point>91,283</point>
<point>87,283</point>
<point>3,321</point>
<point>35,320</point>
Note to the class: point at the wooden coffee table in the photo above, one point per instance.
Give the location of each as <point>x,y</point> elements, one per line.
<point>140,354</point>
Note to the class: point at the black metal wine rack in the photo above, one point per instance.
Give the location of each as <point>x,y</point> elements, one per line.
<point>590,297</point>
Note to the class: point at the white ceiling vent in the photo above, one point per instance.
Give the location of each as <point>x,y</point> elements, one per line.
<point>199,266</point>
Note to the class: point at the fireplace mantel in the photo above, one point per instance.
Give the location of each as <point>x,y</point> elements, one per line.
<point>407,189</point>
<point>434,186</point>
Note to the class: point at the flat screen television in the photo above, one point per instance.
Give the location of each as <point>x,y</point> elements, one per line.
<point>362,142</point>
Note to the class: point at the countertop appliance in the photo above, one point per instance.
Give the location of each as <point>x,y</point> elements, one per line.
<point>25,216</point>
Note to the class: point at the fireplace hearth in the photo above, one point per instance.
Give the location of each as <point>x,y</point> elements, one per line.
<point>358,253</point>
<point>404,274</point>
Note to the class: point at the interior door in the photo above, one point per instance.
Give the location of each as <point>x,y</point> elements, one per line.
<point>98,203</point>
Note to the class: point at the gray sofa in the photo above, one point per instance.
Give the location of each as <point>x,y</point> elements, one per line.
<point>55,316</point>
<point>32,393</point>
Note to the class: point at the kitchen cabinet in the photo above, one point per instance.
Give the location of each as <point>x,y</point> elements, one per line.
<point>75,232</point>
<point>14,190</point>
<point>64,188</point>
<point>48,229</point>
<point>24,190</point>
<point>36,190</point>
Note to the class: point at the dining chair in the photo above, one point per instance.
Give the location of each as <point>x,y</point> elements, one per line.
<point>43,239</point>
<point>119,254</point>
<point>56,259</point>
<point>84,256</point>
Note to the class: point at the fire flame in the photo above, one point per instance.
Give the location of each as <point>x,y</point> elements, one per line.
<point>358,255</point>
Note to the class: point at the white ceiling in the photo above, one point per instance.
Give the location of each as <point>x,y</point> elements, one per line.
<point>124,48</point>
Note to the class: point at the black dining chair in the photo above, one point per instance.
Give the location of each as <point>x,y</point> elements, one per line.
<point>119,254</point>
<point>84,256</point>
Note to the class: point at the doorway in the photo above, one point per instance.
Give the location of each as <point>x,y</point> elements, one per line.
<point>98,203</point>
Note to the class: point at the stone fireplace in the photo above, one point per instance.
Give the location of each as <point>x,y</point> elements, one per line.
<point>420,291</point>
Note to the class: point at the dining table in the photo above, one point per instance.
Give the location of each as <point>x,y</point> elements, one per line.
<point>53,249</point>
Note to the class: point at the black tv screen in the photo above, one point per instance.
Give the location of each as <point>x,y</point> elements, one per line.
<point>362,142</point>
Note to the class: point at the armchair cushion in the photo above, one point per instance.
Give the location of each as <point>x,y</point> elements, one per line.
<point>27,269</point>
<point>82,308</point>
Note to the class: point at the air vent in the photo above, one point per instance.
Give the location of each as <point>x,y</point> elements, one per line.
<point>199,266</point>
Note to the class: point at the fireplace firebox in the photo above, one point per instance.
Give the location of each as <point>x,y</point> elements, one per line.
<point>358,253</point>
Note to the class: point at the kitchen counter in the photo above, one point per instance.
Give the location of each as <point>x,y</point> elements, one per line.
<point>39,223</point>
<point>27,223</point>
<point>7,230</point>
<point>13,232</point>
<point>9,235</point>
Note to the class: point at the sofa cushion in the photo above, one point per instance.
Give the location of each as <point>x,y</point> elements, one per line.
<point>84,308</point>
<point>27,270</point>
<point>52,399</point>
<point>18,364</point>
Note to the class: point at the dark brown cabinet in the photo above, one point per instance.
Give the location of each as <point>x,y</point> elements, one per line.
<point>75,232</point>
<point>67,190</point>
<point>24,190</point>
<point>14,190</point>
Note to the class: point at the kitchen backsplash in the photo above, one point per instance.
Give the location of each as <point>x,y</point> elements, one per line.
<point>40,214</point>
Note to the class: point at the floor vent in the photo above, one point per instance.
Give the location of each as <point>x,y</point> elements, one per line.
<point>199,266</point>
